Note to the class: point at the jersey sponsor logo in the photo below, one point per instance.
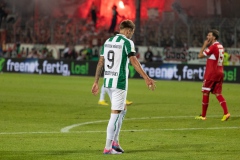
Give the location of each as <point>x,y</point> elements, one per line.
<point>113,46</point>
<point>111,73</point>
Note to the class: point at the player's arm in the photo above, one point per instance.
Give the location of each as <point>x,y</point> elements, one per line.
<point>98,74</point>
<point>135,63</point>
<point>99,69</point>
<point>201,53</point>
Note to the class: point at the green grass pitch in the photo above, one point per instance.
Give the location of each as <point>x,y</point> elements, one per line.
<point>46,117</point>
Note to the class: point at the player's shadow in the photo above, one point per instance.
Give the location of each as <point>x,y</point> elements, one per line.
<point>142,104</point>
<point>47,152</point>
<point>167,148</point>
<point>234,118</point>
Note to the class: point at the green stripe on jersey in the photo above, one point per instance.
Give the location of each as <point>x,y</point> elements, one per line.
<point>119,39</point>
<point>110,39</point>
<point>123,69</point>
<point>104,82</point>
<point>128,46</point>
<point>102,50</point>
<point>122,74</point>
<point>110,83</point>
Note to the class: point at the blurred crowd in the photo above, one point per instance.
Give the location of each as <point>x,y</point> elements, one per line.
<point>83,32</point>
<point>90,33</point>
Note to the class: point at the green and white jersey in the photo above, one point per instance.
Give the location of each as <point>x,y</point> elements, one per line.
<point>115,51</point>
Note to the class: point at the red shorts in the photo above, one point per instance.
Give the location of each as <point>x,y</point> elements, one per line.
<point>214,87</point>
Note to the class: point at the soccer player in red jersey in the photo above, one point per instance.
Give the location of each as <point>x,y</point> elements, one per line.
<point>213,76</point>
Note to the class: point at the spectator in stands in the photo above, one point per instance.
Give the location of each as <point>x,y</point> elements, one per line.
<point>93,12</point>
<point>31,53</point>
<point>35,54</point>
<point>137,54</point>
<point>44,53</point>
<point>148,55</point>
<point>50,55</point>
<point>79,57</point>
<point>196,42</point>
<point>3,12</point>
<point>89,52</point>
<point>227,58</point>
<point>14,52</point>
<point>114,19</point>
<point>22,53</point>
<point>158,57</point>
<point>66,50</point>
<point>70,53</point>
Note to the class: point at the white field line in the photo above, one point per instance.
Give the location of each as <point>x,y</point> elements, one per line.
<point>66,129</point>
<point>14,133</point>
<point>133,130</point>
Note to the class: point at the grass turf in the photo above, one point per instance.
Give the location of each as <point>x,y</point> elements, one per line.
<point>158,125</point>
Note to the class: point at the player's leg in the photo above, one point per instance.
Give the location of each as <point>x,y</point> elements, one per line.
<point>223,103</point>
<point>111,131</point>
<point>218,92</point>
<point>102,97</point>
<point>117,106</point>
<point>206,89</point>
<point>116,144</point>
<point>205,101</point>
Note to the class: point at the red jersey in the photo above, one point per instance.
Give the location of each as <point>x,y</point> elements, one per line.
<point>214,66</point>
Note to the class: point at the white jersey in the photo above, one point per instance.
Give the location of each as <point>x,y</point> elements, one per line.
<point>115,51</point>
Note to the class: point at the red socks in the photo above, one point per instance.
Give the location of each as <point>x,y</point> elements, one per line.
<point>205,100</point>
<point>223,103</point>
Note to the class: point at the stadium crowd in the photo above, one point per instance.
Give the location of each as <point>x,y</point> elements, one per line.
<point>71,32</point>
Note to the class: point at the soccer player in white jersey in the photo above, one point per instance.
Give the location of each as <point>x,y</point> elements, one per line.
<point>116,53</point>
<point>103,90</point>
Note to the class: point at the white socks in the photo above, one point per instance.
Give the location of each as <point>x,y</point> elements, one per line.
<point>102,94</point>
<point>120,121</point>
<point>112,129</point>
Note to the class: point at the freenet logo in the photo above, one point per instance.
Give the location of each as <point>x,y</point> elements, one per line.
<point>2,60</point>
<point>166,71</point>
<point>29,66</point>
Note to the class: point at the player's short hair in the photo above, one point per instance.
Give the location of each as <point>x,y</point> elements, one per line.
<point>115,33</point>
<point>127,24</point>
<point>215,33</point>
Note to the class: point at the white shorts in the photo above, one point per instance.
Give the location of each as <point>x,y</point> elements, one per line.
<point>117,97</point>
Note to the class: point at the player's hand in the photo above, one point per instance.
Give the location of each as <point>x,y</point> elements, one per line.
<point>207,42</point>
<point>95,89</point>
<point>151,84</point>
